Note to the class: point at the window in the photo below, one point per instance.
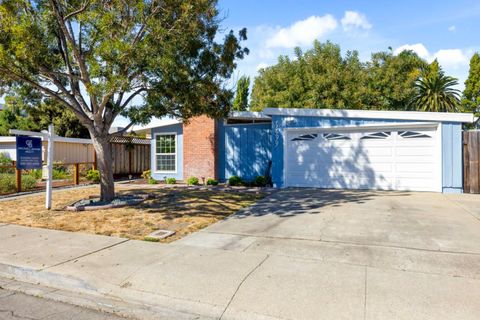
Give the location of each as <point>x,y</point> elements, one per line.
<point>166,152</point>
<point>305,137</point>
<point>412,135</point>
<point>376,135</point>
<point>336,136</point>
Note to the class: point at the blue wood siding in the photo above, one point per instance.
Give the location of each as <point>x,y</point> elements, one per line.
<point>178,130</point>
<point>452,158</point>
<point>244,150</point>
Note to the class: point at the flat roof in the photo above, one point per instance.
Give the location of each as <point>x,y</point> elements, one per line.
<point>373,114</point>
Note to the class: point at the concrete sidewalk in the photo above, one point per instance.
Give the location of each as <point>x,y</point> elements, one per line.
<point>294,255</point>
<point>186,282</point>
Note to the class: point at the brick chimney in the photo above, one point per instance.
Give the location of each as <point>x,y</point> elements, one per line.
<point>199,148</point>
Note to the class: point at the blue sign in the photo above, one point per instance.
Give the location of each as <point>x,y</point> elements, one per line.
<point>29,153</point>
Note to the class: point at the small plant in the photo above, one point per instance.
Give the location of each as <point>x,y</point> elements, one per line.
<point>146,174</point>
<point>212,182</point>
<point>93,175</point>
<point>235,181</point>
<point>28,182</point>
<point>260,181</point>
<point>8,183</point>
<point>151,239</point>
<point>192,181</point>
<point>152,181</point>
<point>36,173</point>
<point>170,180</point>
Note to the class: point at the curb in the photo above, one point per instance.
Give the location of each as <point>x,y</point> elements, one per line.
<point>51,286</point>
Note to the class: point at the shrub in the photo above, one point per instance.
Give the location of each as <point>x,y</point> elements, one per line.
<point>152,181</point>
<point>235,181</point>
<point>5,159</point>
<point>146,174</point>
<point>28,182</point>
<point>8,183</point>
<point>260,181</point>
<point>192,181</point>
<point>59,174</point>
<point>36,173</point>
<point>170,181</point>
<point>212,182</point>
<point>93,175</point>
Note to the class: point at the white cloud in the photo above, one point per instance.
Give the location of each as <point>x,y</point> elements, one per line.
<point>355,20</point>
<point>448,58</point>
<point>418,48</point>
<point>302,32</point>
<point>451,58</point>
<point>262,65</point>
<point>452,28</point>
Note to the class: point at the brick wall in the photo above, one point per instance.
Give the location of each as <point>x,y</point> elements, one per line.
<point>199,148</point>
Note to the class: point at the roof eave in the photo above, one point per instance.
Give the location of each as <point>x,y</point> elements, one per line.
<point>374,114</point>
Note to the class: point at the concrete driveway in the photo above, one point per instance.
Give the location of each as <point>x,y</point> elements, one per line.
<point>298,254</point>
<point>332,253</point>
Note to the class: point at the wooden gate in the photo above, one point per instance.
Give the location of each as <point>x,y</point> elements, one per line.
<point>471,161</point>
<point>131,156</point>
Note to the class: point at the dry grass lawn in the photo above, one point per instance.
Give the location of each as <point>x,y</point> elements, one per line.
<point>180,210</point>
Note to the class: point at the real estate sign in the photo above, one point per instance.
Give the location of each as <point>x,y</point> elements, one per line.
<point>29,152</point>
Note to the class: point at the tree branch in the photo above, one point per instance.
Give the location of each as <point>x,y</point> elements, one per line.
<point>74,13</point>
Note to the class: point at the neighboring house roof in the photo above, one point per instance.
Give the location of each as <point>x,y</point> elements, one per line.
<point>58,139</point>
<point>373,114</point>
<point>155,123</point>
<point>248,115</point>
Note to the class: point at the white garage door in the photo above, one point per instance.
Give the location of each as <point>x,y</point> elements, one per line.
<point>390,159</point>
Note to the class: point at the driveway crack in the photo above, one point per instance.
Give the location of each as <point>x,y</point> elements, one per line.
<point>241,283</point>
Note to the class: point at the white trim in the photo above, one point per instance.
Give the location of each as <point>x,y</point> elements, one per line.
<point>369,127</point>
<point>155,151</point>
<point>373,114</point>
<point>248,115</point>
<point>440,157</point>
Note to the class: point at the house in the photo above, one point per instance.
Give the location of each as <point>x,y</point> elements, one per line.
<point>324,148</point>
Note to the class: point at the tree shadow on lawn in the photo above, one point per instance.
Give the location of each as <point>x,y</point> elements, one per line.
<point>174,204</point>
<point>295,201</point>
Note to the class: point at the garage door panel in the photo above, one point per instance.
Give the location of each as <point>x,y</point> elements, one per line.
<point>391,162</point>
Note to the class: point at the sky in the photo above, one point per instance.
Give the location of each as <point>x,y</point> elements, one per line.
<point>445,30</point>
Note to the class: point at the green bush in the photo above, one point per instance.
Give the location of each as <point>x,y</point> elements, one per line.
<point>212,182</point>
<point>170,181</point>
<point>260,181</point>
<point>146,174</point>
<point>93,175</point>
<point>152,181</point>
<point>28,182</point>
<point>8,183</point>
<point>59,174</point>
<point>5,159</point>
<point>192,181</point>
<point>235,181</point>
<point>36,173</point>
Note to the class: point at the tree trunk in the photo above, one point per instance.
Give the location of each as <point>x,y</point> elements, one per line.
<point>104,162</point>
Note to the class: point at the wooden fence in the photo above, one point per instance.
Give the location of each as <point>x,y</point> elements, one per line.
<point>131,156</point>
<point>471,161</point>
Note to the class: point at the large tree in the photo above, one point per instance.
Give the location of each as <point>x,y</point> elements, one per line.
<point>102,59</point>
<point>471,93</point>
<point>322,77</point>
<point>240,103</point>
<point>435,91</point>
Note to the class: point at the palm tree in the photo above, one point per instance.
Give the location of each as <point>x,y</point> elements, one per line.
<point>435,91</point>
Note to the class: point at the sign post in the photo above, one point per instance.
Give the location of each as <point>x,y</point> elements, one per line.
<point>29,155</point>
<point>50,150</point>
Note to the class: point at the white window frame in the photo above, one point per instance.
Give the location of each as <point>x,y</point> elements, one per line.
<point>155,151</point>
